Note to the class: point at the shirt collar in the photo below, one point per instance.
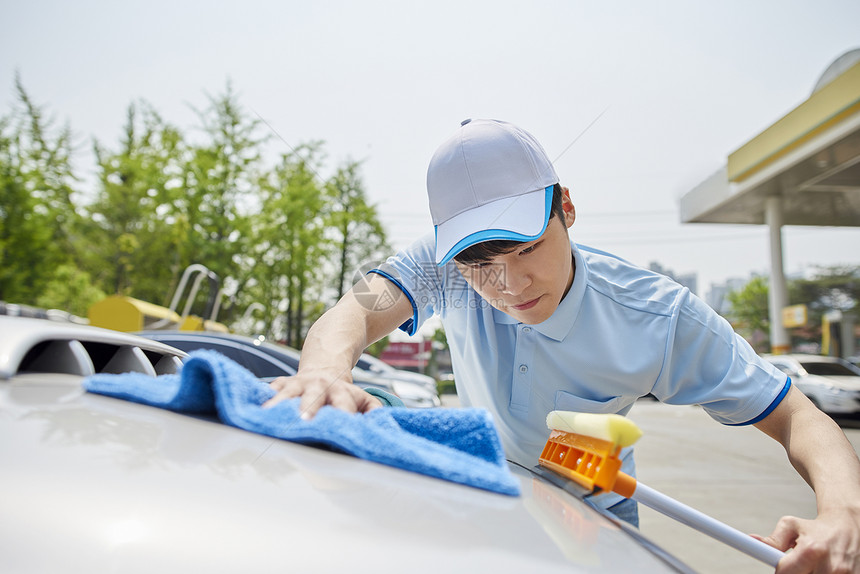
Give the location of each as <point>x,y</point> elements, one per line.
<point>561,321</point>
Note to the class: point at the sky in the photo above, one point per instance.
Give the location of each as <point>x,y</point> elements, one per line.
<point>637,102</point>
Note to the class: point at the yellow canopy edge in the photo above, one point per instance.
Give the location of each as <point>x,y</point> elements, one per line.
<point>822,110</point>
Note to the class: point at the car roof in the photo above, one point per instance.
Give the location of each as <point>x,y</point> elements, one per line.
<point>105,482</point>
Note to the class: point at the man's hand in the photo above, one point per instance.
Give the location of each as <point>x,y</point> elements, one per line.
<point>822,455</point>
<point>830,543</point>
<point>318,390</point>
<point>333,345</point>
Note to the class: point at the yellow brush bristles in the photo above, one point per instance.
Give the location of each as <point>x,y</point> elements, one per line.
<point>613,428</point>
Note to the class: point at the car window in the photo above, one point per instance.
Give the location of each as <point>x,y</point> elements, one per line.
<point>363,365</point>
<point>256,363</point>
<point>829,370</point>
<point>285,354</point>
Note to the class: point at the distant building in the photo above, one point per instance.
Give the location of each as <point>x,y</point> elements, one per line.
<point>688,280</point>
<point>717,297</point>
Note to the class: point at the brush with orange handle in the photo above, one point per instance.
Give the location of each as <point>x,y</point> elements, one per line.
<point>585,448</point>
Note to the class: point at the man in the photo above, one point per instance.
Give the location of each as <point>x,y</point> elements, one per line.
<point>536,323</point>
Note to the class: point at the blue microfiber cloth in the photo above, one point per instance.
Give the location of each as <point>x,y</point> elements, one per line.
<point>460,445</point>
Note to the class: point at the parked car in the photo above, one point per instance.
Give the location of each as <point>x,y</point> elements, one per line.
<point>269,360</point>
<point>382,369</point>
<point>833,384</point>
<point>93,484</point>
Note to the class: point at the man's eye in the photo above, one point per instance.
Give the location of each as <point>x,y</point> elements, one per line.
<point>528,249</point>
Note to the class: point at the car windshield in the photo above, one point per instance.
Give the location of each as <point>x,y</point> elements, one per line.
<point>830,370</point>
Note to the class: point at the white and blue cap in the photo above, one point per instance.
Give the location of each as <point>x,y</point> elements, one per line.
<point>490,180</point>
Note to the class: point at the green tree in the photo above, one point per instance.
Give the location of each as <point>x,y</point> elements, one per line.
<point>749,312</point>
<point>829,288</point>
<point>834,288</point>
<point>290,245</point>
<point>353,224</point>
<point>72,289</point>
<point>38,220</point>
<point>132,237</point>
<point>220,191</point>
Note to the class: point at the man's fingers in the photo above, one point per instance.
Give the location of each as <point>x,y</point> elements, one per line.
<point>286,387</point>
<point>784,536</point>
<point>355,400</point>
<point>341,395</point>
<point>807,554</point>
<point>279,383</point>
<point>371,404</point>
<point>344,401</point>
<point>313,399</point>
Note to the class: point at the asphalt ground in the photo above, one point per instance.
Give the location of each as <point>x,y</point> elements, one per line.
<point>735,474</point>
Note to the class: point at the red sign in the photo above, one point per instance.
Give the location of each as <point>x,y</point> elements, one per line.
<point>407,354</point>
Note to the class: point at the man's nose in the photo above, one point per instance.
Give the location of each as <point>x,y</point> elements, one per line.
<point>515,281</point>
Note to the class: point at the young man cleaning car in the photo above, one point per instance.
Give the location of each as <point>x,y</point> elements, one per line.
<point>536,322</point>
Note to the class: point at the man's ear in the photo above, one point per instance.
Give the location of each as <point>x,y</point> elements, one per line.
<point>567,207</point>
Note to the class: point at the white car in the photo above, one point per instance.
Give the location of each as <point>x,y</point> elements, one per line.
<point>833,384</point>
<point>93,484</point>
<point>382,369</point>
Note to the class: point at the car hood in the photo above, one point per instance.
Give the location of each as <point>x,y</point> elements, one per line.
<point>93,483</point>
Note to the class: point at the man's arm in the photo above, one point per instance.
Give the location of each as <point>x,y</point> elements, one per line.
<point>819,451</point>
<point>334,344</point>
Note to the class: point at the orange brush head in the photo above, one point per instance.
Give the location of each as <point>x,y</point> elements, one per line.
<point>589,461</point>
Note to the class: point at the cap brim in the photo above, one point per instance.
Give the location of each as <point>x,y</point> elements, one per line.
<point>520,218</point>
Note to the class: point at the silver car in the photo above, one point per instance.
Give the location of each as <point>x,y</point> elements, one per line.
<point>382,369</point>
<point>833,384</point>
<point>93,484</point>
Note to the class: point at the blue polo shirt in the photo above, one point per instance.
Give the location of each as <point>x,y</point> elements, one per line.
<point>620,333</point>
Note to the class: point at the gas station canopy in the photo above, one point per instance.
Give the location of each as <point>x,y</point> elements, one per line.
<point>802,170</point>
<point>810,159</point>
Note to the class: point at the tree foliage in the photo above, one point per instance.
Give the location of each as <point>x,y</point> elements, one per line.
<point>827,289</point>
<point>354,227</point>
<point>219,194</point>
<point>291,251</point>
<point>749,311</point>
<point>38,220</point>
<point>132,227</point>
<point>281,238</point>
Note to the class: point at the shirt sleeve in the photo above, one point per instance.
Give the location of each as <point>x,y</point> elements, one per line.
<point>415,272</point>
<point>707,363</point>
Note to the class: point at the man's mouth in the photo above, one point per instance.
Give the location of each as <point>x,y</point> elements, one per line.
<point>527,305</point>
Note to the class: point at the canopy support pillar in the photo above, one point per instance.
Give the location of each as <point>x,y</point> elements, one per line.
<point>780,342</point>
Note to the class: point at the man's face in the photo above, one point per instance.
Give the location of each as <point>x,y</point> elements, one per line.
<point>529,282</point>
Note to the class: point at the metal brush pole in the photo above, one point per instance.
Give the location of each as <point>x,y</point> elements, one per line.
<point>707,525</point>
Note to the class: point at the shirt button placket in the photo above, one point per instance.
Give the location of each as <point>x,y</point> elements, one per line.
<point>521,388</point>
